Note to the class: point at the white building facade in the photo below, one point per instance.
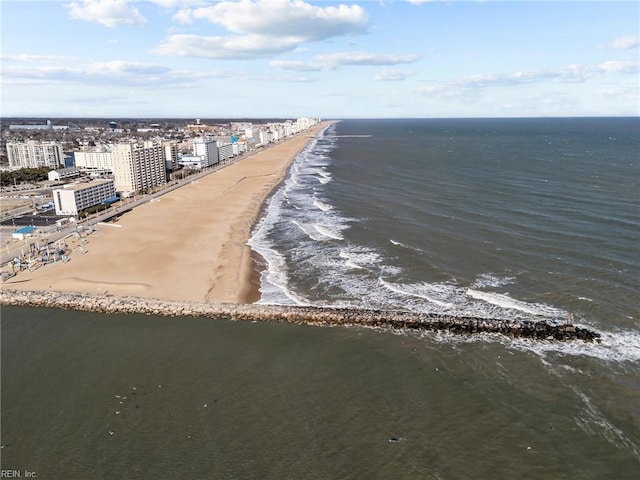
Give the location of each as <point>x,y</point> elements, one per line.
<point>208,149</point>
<point>75,198</point>
<point>138,167</point>
<point>63,174</point>
<point>225,151</point>
<point>99,160</point>
<point>171,155</point>
<point>192,162</point>
<point>35,154</point>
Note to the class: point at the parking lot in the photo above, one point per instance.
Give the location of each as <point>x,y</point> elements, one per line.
<point>42,219</point>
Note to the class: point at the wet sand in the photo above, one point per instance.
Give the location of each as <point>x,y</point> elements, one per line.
<point>187,245</point>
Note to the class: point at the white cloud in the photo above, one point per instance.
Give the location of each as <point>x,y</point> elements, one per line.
<point>569,74</point>
<point>118,67</point>
<point>24,57</point>
<point>106,12</point>
<point>331,61</point>
<point>625,43</point>
<point>281,18</point>
<point>364,58</point>
<point>297,66</point>
<point>114,73</point>
<point>262,28</point>
<point>231,48</point>
<point>620,91</point>
<point>391,75</point>
<point>618,67</point>
<point>176,3</point>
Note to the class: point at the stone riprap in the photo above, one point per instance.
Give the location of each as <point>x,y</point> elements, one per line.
<point>321,316</point>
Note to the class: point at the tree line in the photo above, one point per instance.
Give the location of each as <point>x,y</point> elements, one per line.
<point>26,175</point>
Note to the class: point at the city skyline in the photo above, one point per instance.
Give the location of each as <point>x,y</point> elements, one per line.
<point>287,58</point>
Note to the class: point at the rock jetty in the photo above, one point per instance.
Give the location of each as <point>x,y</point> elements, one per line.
<point>329,316</point>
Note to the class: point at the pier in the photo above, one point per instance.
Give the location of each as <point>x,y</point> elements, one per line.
<point>320,316</point>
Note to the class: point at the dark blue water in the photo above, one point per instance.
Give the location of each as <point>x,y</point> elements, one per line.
<point>517,218</point>
<point>505,218</point>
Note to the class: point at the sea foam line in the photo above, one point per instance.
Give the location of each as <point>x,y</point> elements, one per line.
<point>383,319</point>
<point>505,301</point>
<point>321,205</point>
<point>396,289</point>
<point>327,232</point>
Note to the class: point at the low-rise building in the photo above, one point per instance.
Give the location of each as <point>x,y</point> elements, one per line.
<point>24,232</point>
<point>193,162</point>
<point>74,198</point>
<point>63,174</point>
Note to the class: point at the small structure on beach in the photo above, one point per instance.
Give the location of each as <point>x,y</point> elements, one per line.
<point>24,232</point>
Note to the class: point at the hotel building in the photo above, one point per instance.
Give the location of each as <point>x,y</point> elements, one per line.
<point>99,160</point>
<point>76,197</point>
<point>208,150</point>
<point>138,167</point>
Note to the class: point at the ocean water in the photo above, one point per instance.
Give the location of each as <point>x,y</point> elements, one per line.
<point>507,218</point>
<point>519,218</point>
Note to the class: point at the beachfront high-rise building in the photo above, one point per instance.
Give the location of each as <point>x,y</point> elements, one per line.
<point>306,122</point>
<point>263,137</point>
<point>74,198</point>
<point>225,151</point>
<point>171,154</point>
<point>98,160</point>
<point>208,149</point>
<point>138,167</point>
<point>35,154</point>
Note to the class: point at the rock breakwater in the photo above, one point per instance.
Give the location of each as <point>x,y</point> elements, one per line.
<point>381,319</point>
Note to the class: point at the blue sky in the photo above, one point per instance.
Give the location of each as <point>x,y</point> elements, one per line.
<point>292,58</point>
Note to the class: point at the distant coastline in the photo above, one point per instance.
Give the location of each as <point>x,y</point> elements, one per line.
<point>188,245</point>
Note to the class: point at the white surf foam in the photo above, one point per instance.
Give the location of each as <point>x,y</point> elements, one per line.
<point>310,231</point>
<point>328,232</point>
<point>485,280</point>
<point>505,301</point>
<point>620,347</point>
<point>321,205</point>
<point>349,261</point>
<point>594,422</point>
<point>404,245</point>
<point>414,291</point>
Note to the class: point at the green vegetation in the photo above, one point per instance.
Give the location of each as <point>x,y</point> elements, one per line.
<point>26,175</point>
<point>91,210</point>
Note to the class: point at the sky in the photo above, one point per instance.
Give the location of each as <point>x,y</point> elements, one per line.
<point>333,60</point>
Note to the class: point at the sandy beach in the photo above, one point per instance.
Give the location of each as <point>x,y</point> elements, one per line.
<point>187,245</point>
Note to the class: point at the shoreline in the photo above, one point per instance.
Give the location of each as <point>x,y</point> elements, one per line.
<point>252,292</point>
<point>187,245</point>
<point>311,316</point>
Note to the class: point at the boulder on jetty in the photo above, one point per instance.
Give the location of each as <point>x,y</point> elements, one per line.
<point>322,316</point>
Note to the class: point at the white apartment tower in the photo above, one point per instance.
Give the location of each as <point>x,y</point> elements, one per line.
<point>208,149</point>
<point>138,167</point>
<point>171,154</point>
<point>34,154</point>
